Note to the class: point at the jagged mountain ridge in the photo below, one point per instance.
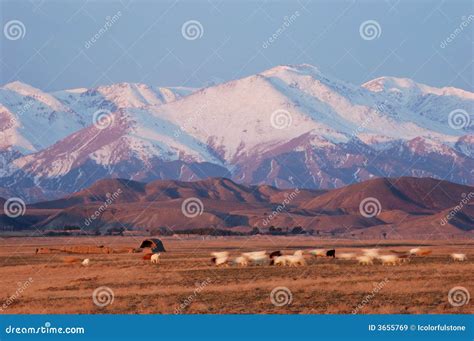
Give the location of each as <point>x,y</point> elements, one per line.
<point>290,126</point>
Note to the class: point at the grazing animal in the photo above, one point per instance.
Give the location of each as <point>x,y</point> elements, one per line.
<point>405,257</point>
<point>275,254</point>
<point>420,252</point>
<point>346,255</point>
<point>220,258</point>
<point>259,260</point>
<point>374,253</point>
<point>458,257</point>
<point>241,261</point>
<point>86,262</point>
<point>318,252</point>
<point>331,253</point>
<point>389,259</point>
<point>155,258</point>
<point>279,260</point>
<point>296,259</point>
<point>424,253</point>
<point>256,257</point>
<point>365,260</point>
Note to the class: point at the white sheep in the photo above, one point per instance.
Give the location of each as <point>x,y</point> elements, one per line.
<point>86,262</point>
<point>365,260</point>
<point>389,259</point>
<point>414,251</point>
<point>318,252</point>
<point>458,257</point>
<point>241,261</point>
<point>296,259</point>
<point>155,258</point>
<point>280,260</point>
<point>256,257</point>
<point>346,255</point>
<point>220,258</point>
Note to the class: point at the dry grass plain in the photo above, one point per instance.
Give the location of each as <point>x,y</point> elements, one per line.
<point>324,286</point>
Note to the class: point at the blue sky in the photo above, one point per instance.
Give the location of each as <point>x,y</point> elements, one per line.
<point>146,44</point>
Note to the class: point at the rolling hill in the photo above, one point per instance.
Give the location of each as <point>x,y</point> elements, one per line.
<point>394,207</point>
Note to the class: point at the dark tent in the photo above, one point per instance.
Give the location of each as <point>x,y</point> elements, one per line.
<point>155,244</point>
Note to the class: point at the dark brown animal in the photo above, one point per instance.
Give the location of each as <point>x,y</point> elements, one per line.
<point>331,253</point>
<point>275,254</point>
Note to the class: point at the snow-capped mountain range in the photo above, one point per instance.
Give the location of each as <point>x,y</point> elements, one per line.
<point>290,126</point>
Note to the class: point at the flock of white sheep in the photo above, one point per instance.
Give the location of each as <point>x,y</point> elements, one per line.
<point>259,258</point>
<point>277,258</point>
<point>367,257</point>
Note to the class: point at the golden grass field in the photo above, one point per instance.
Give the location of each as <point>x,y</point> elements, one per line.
<point>186,282</point>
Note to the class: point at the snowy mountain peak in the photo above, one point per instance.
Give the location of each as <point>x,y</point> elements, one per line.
<point>304,69</point>
<point>287,126</point>
<point>410,87</point>
<point>21,88</point>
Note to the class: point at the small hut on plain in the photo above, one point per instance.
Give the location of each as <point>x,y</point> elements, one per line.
<point>155,244</point>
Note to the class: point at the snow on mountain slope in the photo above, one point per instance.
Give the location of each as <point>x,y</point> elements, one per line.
<point>135,139</point>
<point>121,95</point>
<point>32,119</point>
<point>465,145</point>
<point>235,118</point>
<point>355,110</point>
<point>288,126</point>
<point>312,102</point>
<point>425,105</point>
